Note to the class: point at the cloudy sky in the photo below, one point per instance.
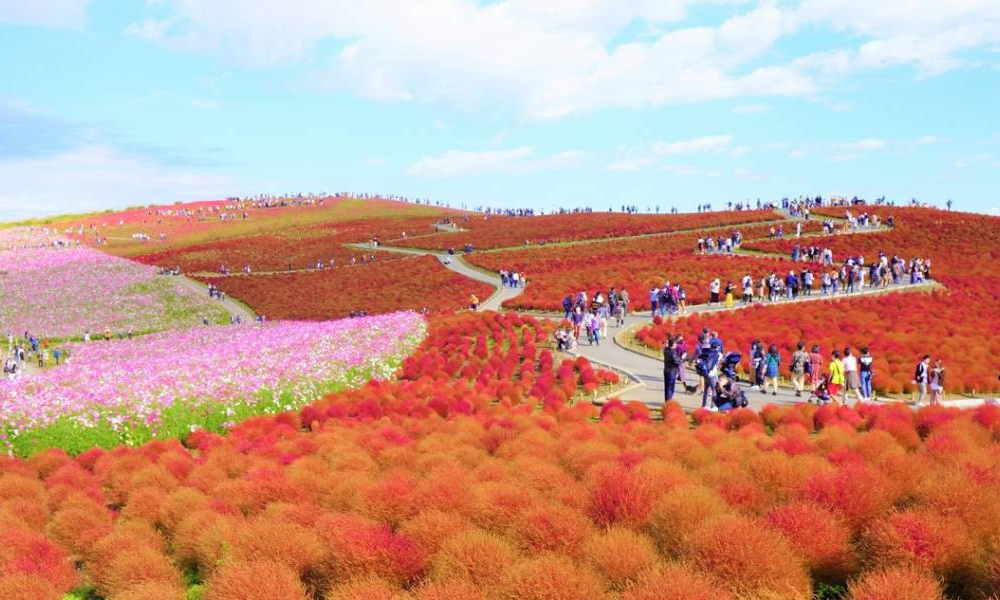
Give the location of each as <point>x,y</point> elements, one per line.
<point>537,103</point>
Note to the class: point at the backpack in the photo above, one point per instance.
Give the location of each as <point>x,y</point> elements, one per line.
<point>701,365</point>
<point>918,373</point>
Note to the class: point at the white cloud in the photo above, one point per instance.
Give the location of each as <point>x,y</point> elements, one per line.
<point>711,143</point>
<point>205,104</point>
<point>630,165</point>
<point>93,177</point>
<point>549,59</point>
<point>641,157</point>
<point>516,161</point>
<point>746,109</point>
<point>968,161</point>
<point>44,13</point>
<point>690,171</point>
<point>545,60</point>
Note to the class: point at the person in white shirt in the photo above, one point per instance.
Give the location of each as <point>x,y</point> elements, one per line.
<point>851,377</point>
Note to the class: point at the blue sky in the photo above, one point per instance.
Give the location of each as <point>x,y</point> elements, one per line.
<point>511,102</point>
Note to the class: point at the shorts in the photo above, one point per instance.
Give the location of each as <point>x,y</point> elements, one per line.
<point>853,381</point>
<point>833,389</point>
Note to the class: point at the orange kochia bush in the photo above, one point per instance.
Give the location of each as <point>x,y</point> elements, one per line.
<point>554,506</point>
<point>414,283</point>
<point>502,232</point>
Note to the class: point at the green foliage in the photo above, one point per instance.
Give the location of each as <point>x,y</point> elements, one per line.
<point>829,591</point>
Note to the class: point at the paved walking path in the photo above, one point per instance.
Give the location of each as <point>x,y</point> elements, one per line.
<point>234,307</point>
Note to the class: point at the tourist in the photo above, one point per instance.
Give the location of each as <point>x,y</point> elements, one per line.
<point>851,375</point>
<point>654,301</point>
<point>577,321</point>
<point>799,364</point>
<point>865,362</point>
<point>757,364</point>
<point>836,379</point>
<point>921,377</point>
<point>729,295</point>
<point>672,365</point>
<point>708,368</point>
<point>773,362</point>
<point>623,301</point>
<point>474,302</point>
<point>937,382</point>
<point>713,291</point>
<point>815,365</point>
<point>567,305</point>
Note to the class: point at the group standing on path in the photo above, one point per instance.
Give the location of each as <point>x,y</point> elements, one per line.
<point>593,315</point>
<point>845,377</point>
<point>23,351</point>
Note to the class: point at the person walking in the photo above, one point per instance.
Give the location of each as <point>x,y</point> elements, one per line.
<point>865,364</point>
<point>671,368</point>
<point>937,382</point>
<point>757,365</point>
<point>773,363</point>
<point>713,292</point>
<point>815,366</point>
<point>800,362</point>
<point>836,380</point>
<point>473,302</point>
<point>730,301</point>
<point>921,377</point>
<point>708,368</point>
<point>851,375</point>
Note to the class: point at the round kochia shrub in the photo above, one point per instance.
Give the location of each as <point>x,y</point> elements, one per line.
<point>895,583</point>
<point>750,559</point>
<point>255,581</point>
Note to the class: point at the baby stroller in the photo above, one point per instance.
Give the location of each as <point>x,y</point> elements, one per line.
<point>821,393</point>
<point>729,364</point>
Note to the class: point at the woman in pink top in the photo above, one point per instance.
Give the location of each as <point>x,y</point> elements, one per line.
<point>815,365</point>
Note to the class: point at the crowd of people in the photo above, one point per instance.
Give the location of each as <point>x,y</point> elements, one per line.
<point>842,375</point>
<point>29,349</point>
<point>591,316</point>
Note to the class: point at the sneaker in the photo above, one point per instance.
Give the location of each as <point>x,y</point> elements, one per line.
<point>798,394</point>
<point>774,393</point>
<point>713,408</point>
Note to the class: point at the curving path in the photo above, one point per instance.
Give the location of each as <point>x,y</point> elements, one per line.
<point>234,307</point>
<point>642,368</point>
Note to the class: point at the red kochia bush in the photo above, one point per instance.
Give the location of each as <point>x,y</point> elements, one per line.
<point>28,552</point>
<point>818,537</point>
<point>619,495</point>
<point>355,546</point>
